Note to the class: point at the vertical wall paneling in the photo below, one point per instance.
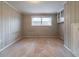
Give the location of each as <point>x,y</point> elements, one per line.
<point>10,25</point>
<point>39,31</point>
<point>71,15</point>
<point>0,26</point>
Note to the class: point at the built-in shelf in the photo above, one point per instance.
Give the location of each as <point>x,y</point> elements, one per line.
<point>60,16</point>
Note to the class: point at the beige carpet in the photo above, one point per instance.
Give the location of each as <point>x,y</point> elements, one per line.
<point>37,47</point>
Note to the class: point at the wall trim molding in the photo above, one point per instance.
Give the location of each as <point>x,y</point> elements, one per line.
<point>9,44</point>
<point>69,50</point>
<point>41,36</point>
<point>10,6</point>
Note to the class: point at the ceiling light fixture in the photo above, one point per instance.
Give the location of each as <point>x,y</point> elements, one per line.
<point>34,2</point>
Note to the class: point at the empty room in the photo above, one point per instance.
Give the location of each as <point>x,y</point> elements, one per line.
<point>39,28</point>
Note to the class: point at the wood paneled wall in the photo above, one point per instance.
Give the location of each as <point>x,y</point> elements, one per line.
<point>10,23</point>
<point>61,30</point>
<point>39,31</point>
<point>71,15</point>
<point>0,26</point>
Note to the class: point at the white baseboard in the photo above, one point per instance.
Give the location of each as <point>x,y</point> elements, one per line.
<point>67,48</point>
<point>40,36</point>
<point>9,44</point>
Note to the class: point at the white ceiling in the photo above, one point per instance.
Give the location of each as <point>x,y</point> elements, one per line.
<point>39,7</point>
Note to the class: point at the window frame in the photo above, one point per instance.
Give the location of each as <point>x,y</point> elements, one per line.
<point>41,20</point>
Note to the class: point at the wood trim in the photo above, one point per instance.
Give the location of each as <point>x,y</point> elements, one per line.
<point>41,36</point>
<point>11,6</point>
<point>9,44</point>
<point>69,50</point>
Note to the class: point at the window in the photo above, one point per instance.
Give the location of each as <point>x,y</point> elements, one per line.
<point>41,21</point>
